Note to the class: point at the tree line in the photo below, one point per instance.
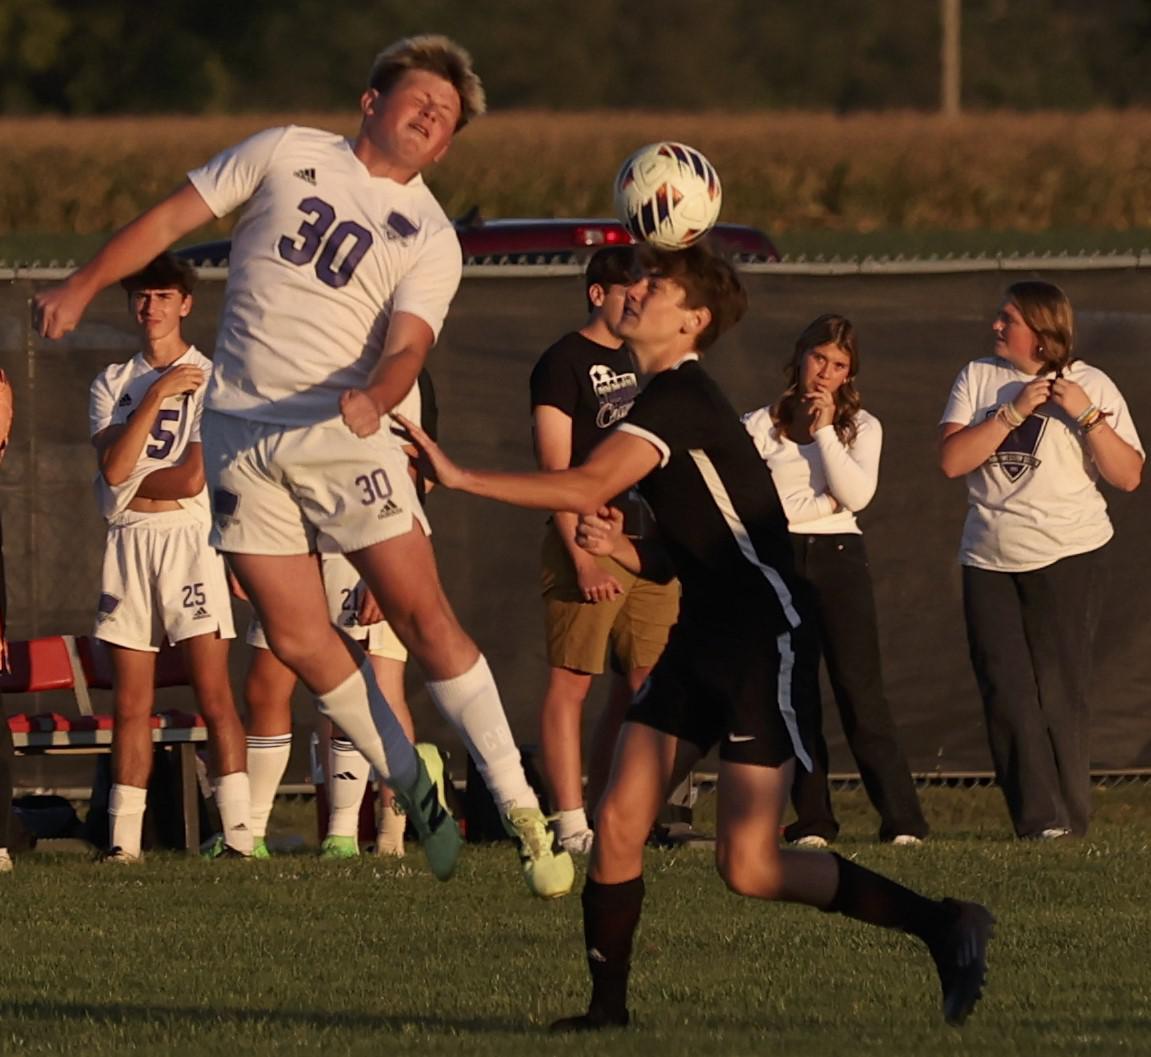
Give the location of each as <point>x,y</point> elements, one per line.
<point>116,56</point>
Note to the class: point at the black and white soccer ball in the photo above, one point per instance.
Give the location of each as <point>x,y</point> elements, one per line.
<point>668,194</point>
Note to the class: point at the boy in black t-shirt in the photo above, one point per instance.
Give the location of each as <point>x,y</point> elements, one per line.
<point>736,670</point>
<point>580,388</point>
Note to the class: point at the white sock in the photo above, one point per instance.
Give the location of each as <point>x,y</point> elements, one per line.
<point>472,703</point>
<point>569,823</point>
<point>234,802</point>
<point>347,779</point>
<point>358,707</point>
<point>267,762</point>
<point>126,811</point>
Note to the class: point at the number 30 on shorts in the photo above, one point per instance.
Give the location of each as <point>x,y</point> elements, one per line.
<point>374,487</point>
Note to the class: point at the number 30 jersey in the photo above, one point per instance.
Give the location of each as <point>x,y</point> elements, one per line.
<point>114,397</point>
<point>323,255</point>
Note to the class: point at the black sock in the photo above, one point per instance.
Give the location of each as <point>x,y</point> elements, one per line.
<point>610,916</point>
<point>877,900</point>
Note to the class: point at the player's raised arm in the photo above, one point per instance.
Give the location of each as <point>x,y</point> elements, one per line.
<point>613,467</point>
<point>58,311</point>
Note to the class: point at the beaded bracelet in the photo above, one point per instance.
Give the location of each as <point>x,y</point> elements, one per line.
<point>1011,417</point>
<point>1087,414</point>
<point>1097,421</point>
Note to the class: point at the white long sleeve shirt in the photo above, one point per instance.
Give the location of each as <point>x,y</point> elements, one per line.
<point>812,478</point>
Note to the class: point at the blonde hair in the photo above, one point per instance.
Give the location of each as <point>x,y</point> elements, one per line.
<point>1045,308</point>
<point>435,54</point>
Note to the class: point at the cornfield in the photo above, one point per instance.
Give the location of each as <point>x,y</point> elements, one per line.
<point>781,171</point>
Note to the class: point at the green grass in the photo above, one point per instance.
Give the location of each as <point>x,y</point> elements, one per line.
<point>370,957</point>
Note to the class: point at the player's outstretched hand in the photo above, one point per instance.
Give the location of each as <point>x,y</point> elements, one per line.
<point>58,310</point>
<point>599,533</point>
<point>436,465</point>
<point>359,412</point>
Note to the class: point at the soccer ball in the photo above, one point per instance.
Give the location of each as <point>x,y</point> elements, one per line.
<point>667,194</point>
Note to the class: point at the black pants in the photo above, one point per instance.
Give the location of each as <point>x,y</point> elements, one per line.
<point>1030,636</point>
<point>833,570</point>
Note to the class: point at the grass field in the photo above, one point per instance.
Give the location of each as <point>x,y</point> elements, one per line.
<point>299,957</point>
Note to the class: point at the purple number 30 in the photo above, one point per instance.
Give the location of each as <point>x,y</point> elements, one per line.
<point>313,234</point>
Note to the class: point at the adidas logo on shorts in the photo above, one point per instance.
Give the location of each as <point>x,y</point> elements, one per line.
<point>307,175</point>
<point>201,614</point>
<point>389,509</point>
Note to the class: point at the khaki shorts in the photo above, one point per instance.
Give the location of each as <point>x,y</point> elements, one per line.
<point>286,489</point>
<point>635,624</point>
<point>344,590</point>
<point>160,581</point>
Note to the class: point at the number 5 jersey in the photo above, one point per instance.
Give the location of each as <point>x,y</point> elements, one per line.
<point>114,397</point>
<point>323,255</point>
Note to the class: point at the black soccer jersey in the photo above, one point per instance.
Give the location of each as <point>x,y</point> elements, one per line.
<point>714,502</point>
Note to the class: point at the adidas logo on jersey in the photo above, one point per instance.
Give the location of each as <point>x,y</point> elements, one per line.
<point>125,400</point>
<point>307,175</point>
<point>389,509</point>
<point>201,614</point>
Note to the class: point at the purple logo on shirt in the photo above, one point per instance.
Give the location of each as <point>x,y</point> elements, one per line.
<point>1016,454</point>
<point>399,226</point>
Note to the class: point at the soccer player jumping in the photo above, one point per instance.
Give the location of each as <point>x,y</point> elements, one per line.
<point>738,666</point>
<point>343,266</point>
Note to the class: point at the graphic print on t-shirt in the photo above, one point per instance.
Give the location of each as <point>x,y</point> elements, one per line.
<point>1016,455</point>
<point>615,393</point>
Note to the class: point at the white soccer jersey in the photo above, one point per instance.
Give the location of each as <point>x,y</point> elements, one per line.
<point>321,258</point>
<point>114,397</point>
<point>1035,500</point>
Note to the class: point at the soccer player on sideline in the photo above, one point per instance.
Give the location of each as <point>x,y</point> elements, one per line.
<point>735,671</point>
<point>161,578</point>
<point>343,266</point>
<point>580,388</point>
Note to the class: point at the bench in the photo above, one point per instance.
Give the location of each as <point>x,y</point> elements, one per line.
<point>78,664</point>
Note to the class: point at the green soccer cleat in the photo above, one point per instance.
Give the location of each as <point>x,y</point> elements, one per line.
<point>218,848</point>
<point>260,849</point>
<point>335,847</point>
<point>423,804</point>
<point>548,869</point>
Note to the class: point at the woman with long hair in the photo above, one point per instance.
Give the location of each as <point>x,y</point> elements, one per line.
<point>823,452</point>
<point>1033,428</point>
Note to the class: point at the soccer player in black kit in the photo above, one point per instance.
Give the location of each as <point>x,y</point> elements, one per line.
<point>737,669</point>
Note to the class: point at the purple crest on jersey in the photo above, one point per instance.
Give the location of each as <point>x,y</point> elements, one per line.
<point>107,604</point>
<point>401,225</point>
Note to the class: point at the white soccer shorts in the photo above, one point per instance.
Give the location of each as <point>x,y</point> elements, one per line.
<point>161,578</point>
<point>285,490</point>
<point>344,588</point>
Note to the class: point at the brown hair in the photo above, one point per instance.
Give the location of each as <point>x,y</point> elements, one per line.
<point>435,54</point>
<point>1046,309</point>
<point>709,280</point>
<point>165,272</point>
<point>828,329</point>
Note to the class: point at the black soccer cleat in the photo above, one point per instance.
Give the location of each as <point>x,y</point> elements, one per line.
<point>592,1020</point>
<point>961,958</point>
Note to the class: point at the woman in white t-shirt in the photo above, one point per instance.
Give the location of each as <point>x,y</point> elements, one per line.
<point>823,452</point>
<point>1032,429</point>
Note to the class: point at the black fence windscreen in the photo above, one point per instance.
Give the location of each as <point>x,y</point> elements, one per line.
<point>915,334</point>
